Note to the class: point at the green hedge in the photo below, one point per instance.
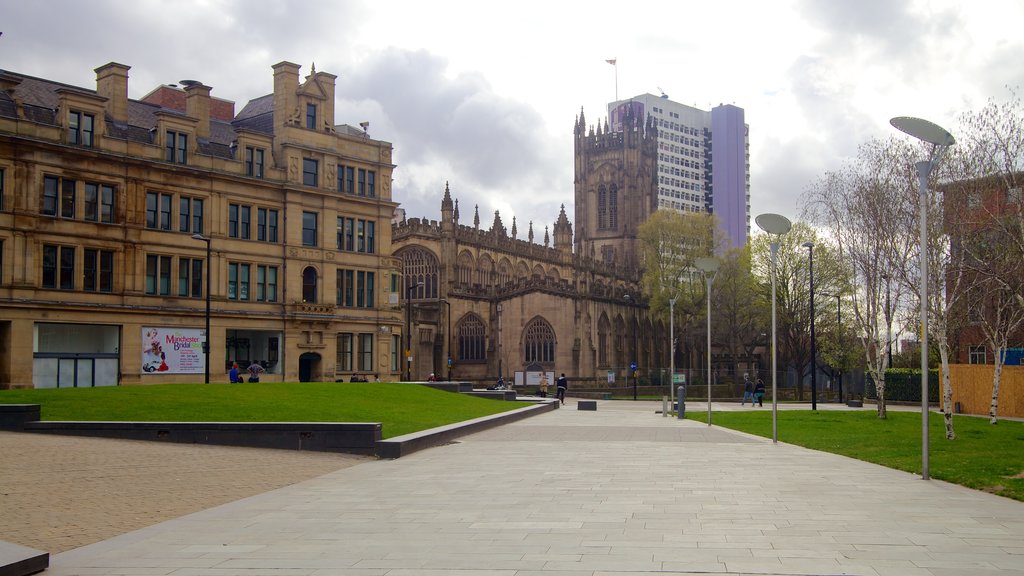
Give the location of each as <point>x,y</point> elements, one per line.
<point>904,385</point>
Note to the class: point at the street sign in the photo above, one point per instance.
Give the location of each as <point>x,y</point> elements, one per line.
<point>632,366</point>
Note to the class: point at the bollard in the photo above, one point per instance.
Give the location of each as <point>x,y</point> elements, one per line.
<point>664,406</point>
<point>681,402</point>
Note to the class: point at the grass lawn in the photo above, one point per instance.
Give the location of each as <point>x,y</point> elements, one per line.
<point>983,456</point>
<point>401,408</point>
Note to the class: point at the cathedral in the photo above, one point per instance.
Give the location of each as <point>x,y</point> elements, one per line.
<point>482,303</point>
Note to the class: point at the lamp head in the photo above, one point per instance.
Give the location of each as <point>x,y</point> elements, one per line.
<point>808,245</point>
<point>773,223</point>
<point>923,130</point>
<point>707,265</point>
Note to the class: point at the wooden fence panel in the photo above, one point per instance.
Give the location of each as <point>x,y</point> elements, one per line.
<point>972,388</point>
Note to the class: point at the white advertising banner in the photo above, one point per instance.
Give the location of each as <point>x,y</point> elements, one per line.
<point>173,350</point>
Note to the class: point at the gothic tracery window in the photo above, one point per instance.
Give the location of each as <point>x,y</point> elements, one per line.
<point>539,342</point>
<point>603,332</point>
<point>472,341</point>
<point>420,269</point>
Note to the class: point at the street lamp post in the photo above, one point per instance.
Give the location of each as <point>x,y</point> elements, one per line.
<point>408,329</point>
<point>633,364</point>
<point>671,347</point>
<point>501,375</point>
<point>448,337</point>
<point>775,225</point>
<point>941,140</point>
<point>814,356</point>
<point>709,266</point>
<point>206,339</point>
<point>839,333</point>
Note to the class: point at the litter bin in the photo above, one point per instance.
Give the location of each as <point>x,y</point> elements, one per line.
<point>681,402</point>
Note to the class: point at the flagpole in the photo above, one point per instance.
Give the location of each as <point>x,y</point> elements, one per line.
<point>615,62</point>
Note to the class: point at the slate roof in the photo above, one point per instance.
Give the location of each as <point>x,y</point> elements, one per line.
<point>40,99</point>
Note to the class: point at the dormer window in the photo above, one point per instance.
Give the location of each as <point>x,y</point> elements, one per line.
<point>176,144</point>
<point>80,128</point>
<point>311,116</point>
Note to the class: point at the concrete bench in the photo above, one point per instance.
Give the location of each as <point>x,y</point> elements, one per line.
<point>586,405</point>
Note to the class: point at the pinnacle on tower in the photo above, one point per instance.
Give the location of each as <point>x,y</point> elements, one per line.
<point>456,211</point>
<point>476,216</point>
<point>514,231</point>
<point>529,235</point>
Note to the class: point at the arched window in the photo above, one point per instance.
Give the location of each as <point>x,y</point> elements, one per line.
<point>620,341</point>
<point>309,285</point>
<point>484,274</point>
<point>472,341</point>
<point>522,271</point>
<point>604,329</point>
<point>419,267</point>
<point>539,342</point>
<point>613,207</point>
<point>464,268</point>
<point>504,272</point>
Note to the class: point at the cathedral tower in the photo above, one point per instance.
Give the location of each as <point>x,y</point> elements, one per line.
<point>616,188</point>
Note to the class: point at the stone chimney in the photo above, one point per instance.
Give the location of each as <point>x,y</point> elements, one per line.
<point>197,105</point>
<point>112,84</point>
<point>286,100</point>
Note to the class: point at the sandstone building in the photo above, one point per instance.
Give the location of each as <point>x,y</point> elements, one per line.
<point>484,302</point>
<point>109,207</point>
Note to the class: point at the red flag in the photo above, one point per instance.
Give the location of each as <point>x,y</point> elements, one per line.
<point>612,61</point>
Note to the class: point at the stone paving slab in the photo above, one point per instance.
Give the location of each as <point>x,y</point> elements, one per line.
<point>616,492</point>
<point>63,492</point>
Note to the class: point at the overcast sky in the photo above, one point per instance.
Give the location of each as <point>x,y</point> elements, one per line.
<point>484,95</point>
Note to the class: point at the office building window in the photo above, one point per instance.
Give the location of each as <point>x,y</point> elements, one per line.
<point>355,288</point>
<point>367,183</point>
<point>977,355</point>
<point>176,145</point>
<point>344,356</point>
<point>311,116</point>
<point>238,281</point>
<point>345,288</point>
<point>254,161</point>
<point>396,345</point>
<point>80,128</point>
<point>244,222</point>
<point>309,229</point>
<point>190,277</point>
<point>2,188</point>
<point>350,179</point>
<point>67,198</point>
<point>266,225</point>
<point>356,235</point>
<point>98,270</point>
<point>366,352</point>
<point>99,202</point>
<point>158,275</point>
<point>309,282</point>
<point>310,172</point>
<point>266,283</point>
<point>197,215</point>
<point>59,267</point>
<point>49,205</point>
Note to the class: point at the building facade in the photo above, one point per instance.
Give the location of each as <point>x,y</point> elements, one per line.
<point>483,302</point>
<point>703,159</point>
<point>127,226</point>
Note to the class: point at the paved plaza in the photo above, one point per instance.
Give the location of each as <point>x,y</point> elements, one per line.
<point>616,492</point>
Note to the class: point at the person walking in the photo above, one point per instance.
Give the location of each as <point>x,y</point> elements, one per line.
<point>759,393</point>
<point>748,390</point>
<point>562,384</point>
<point>255,369</point>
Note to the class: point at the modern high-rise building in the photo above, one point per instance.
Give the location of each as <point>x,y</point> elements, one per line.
<point>703,159</point>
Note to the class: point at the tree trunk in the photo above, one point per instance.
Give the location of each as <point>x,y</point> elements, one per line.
<point>880,392</point>
<point>947,390</point>
<point>995,388</point>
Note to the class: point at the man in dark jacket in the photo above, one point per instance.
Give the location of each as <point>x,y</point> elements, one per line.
<point>562,384</point>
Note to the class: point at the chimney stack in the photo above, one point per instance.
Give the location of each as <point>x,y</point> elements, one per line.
<point>112,84</point>
<point>197,105</point>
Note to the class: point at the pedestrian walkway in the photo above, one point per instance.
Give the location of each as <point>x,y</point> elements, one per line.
<point>616,492</point>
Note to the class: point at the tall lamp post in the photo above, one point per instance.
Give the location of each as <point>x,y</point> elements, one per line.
<point>775,225</point>
<point>814,356</point>
<point>672,347</point>
<point>448,337</point>
<point>709,266</point>
<point>501,375</point>
<point>408,329</point>
<point>839,332</point>
<point>206,339</point>
<point>941,140</point>
<point>633,364</point>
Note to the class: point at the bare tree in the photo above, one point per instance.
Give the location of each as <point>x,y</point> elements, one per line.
<point>991,175</point>
<point>855,206</point>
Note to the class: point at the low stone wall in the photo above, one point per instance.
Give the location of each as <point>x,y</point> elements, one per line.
<point>348,437</point>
